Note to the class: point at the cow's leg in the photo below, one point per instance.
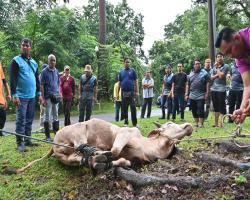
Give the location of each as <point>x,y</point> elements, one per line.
<point>120,142</point>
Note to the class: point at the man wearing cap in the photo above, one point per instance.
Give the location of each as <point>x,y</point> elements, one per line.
<point>128,83</point>
<point>88,94</point>
<point>166,91</point>
<point>24,84</point>
<point>50,91</point>
<point>67,89</point>
<point>148,94</point>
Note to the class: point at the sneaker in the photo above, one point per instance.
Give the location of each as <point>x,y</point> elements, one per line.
<point>21,147</point>
<point>1,133</point>
<point>201,126</point>
<point>30,144</point>
<point>125,125</point>
<point>137,126</point>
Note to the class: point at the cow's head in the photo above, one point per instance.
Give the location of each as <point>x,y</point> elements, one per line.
<point>172,130</point>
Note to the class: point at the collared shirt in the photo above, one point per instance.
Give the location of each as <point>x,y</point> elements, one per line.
<point>219,84</point>
<point>148,92</point>
<point>236,79</point>
<point>127,78</point>
<point>197,83</point>
<point>179,80</point>
<point>50,81</point>
<point>244,63</point>
<point>67,87</point>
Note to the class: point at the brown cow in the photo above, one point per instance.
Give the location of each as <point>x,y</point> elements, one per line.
<point>125,144</point>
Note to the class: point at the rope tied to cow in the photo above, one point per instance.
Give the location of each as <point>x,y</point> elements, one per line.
<point>238,132</point>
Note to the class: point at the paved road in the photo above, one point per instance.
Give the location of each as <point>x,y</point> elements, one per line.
<point>10,126</point>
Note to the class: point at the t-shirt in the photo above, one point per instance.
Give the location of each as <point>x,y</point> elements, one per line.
<point>244,63</point>
<point>219,84</point>
<point>197,83</point>
<point>236,80</point>
<point>2,99</point>
<point>179,80</point>
<point>127,77</point>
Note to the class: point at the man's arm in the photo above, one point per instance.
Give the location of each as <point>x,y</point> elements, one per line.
<point>136,87</point>
<point>14,70</point>
<point>7,88</point>
<point>73,87</point>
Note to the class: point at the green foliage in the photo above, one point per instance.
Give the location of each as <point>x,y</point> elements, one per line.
<point>240,180</point>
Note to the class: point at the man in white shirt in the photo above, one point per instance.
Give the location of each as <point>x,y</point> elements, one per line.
<point>148,93</point>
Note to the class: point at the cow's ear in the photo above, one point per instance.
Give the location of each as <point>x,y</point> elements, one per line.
<point>154,133</point>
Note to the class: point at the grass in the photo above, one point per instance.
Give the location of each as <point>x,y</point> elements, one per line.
<point>50,179</point>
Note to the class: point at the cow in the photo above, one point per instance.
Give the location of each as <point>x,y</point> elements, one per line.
<point>114,145</point>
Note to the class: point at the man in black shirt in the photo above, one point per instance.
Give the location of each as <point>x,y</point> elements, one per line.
<point>179,88</point>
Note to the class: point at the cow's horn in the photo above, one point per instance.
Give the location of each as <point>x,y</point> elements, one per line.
<point>158,125</point>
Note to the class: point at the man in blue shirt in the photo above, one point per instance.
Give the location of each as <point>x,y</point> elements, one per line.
<point>49,87</point>
<point>128,83</point>
<point>24,83</point>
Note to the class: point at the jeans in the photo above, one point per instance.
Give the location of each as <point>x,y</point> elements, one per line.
<point>146,102</point>
<point>66,110</point>
<point>51,110</point>
<point>24,117</point>
<point>118,105</point>
<point>167,99</point>
<point>85,105</point>
<point>129,101</point>
<point>178,101</point>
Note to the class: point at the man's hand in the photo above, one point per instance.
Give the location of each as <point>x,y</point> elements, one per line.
<point>16,101</point>
<point>238,116</point>
<point>206,96</point>
<point>186,97</point>
<point>9,97</point>
<point>41,100</point>
<point>5,106</point>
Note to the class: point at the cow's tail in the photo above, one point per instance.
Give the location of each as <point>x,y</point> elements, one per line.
<point>20,170</point>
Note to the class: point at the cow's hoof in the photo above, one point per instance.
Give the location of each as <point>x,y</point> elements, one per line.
<point>107,154</point>
<point>102,166</point>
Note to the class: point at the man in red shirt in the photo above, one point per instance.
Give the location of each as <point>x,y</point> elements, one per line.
<point>67,89</point>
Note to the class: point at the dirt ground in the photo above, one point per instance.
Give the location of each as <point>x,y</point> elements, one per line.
<point>184,163</point>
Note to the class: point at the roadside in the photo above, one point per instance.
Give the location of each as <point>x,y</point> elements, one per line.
<point>110,117</point>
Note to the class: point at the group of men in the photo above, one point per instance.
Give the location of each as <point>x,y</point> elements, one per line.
<point>50,87</point>
<point>198,87</point>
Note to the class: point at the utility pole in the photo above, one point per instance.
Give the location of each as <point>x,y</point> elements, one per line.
<point>211,29</point>
<point>101,53</point>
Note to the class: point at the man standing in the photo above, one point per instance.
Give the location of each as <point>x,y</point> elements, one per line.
<point>24,83</point>
<point>67,89</point>
<point>179,89</point>
<point>208,69</point>
<point>237,45</point>
<point>88,93</point>
<point>148,93</point>
<point>129,85</point>
<point>236,90</point>
<point>198,89</point>
<point>218,88</point>
<point>166,94</point>
<point>51,96</point>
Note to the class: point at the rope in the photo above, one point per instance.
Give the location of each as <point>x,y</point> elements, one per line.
<point>37,139</point>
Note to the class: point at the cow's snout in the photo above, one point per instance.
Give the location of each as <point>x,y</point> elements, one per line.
<point>188,128</point>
